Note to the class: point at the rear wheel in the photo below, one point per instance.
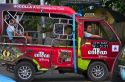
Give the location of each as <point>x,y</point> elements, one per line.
<point>24,72</point>
<point>97,71</point>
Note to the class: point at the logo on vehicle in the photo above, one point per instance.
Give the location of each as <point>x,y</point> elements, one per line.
<point>115,48</point>
<point>97,51</point>
<point>6,53</point>
<point>42,55</point>
<point>9,53</point>
<point>97,46</point>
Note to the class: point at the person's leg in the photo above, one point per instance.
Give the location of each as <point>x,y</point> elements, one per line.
<point>29,39</point>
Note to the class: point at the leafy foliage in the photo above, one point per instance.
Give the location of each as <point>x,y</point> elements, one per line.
<point>118,5</point>
<point>54,2</point>
<point>29,1</point>
<point>30,22</point>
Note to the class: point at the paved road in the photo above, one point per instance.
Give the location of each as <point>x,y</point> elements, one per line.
<point>54,76</point>
<point>68,77</point>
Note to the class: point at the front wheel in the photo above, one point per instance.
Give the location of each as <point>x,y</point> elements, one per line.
<point>24,72</point>
<point>97,71</point>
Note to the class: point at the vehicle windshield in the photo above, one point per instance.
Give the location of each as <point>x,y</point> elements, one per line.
<point>111,36</point>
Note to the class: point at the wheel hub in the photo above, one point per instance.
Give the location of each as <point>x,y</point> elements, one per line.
<point>98,71</point>
<point>24,72</point>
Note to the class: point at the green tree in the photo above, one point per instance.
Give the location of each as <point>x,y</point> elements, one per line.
<point>118,5</point>
<point>30,22</point>
<point>29,1</point>
<point>53,2</point>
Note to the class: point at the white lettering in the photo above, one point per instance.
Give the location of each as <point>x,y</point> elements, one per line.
<point>23,6</point>
<point>97,51</point>
<point>38,7</point>
<point>42,55</point>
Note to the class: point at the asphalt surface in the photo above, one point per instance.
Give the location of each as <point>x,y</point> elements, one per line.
<point>54,76</point>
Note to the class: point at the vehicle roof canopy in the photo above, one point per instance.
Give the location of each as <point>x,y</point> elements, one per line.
<point>38,9</point>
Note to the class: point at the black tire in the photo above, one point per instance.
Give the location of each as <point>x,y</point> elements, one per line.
<point>24,72</point>
<point>85,74</point>
<point>97,71</point>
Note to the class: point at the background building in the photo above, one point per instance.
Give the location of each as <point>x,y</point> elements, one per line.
<point>7,1</point>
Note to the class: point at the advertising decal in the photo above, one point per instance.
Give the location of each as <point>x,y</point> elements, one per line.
<point>115,48</point>
<point>9,52</point>
<point>97,46</point>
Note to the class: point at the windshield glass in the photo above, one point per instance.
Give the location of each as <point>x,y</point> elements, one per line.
<point>111,36</point>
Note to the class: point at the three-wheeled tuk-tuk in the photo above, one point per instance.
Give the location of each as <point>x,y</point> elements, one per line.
<point>30,47</point>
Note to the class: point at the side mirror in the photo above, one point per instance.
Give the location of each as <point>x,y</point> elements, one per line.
<point>62,29</point>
